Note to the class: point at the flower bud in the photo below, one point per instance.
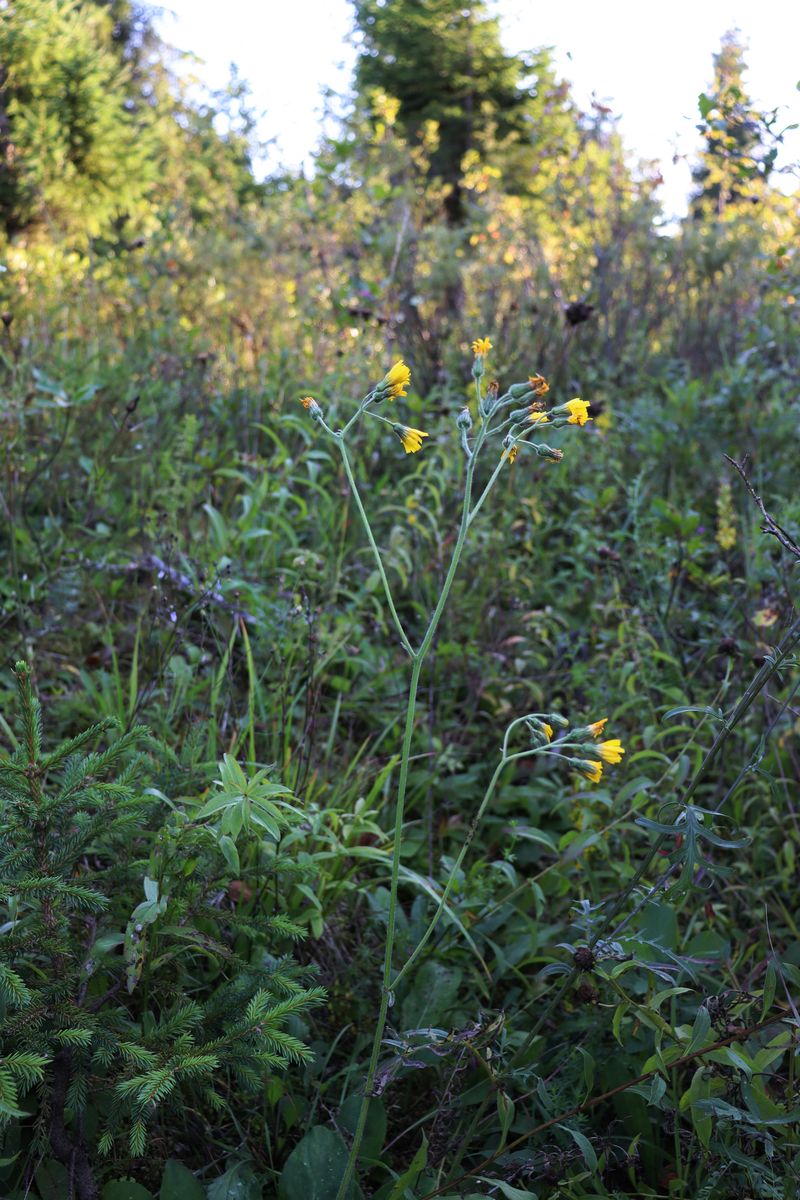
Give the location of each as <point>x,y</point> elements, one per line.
<point>311,407</point>
<point>549,453</point>
<point>464,419</point>
<point>489,401</point>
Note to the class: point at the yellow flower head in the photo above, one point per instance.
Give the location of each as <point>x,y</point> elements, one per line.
<point>510,454</point>
<point>307,401</point>
<point>539,418</point>
<point>310,405</point>
<point>592,770</point>
<point>612,751</point>
<point>539,385</point>
<point>548,731</point>
<point>481,346</point>
<point>578,411</point>
<point>396,381</point>
<point>597,727</point>
<point>411,438</point>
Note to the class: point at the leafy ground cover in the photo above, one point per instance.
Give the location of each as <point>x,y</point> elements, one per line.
<point>204,690</point>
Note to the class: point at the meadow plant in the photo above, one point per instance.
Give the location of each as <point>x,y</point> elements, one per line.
<point>509,424</point>
<point>100,1038</point>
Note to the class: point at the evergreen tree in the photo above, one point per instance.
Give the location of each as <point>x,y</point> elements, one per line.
<point>74,152</point>
<point>443,62</point>
<point>735,162</point>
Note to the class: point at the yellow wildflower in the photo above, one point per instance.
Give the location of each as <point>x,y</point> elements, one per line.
<point>611,751</point>
<point>548,731</point>
<point>597,727</point>
<point>481,346</point>
<point>578,411</point>
<point>539,418</point>
<point>396,381</point>
<point>411,438</point>
<point>510,454</point>
<point>592,770</point>
<point>310,405</point>
<point>539,384</point>
<point>307,401</point>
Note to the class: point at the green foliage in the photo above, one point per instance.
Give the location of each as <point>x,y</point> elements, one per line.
<point>77,154</point>
<point>444,65</point>
<point>180,549</point>
<point>737,158</point>
<point>77,814</point>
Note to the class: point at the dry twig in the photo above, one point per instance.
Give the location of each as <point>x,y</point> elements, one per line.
<point>770,525</point>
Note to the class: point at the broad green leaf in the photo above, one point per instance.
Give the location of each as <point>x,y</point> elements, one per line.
<point>228,848</point>
<point>700,1030</point>
<point>584,1145</point>
<point>178,1183</point>
<point>315,1167</point>
<point>238,1183</point>
<point>126,1189</point>
<point>52,1180</point>
<point>375,1128</point>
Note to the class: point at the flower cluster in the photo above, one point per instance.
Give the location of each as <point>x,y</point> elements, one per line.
<point>393,386</point>
<point>521,421</point>
<point>527,411</point>
<point>609,751</point>
<point>540,728</point>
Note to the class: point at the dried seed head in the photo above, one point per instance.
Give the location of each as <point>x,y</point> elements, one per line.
<point>584,958</point>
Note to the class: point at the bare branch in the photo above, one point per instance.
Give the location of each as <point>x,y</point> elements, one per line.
<point>770,525</point>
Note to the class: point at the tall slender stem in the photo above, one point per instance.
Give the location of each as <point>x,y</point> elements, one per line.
<point>371,539</point>
<point>486,491</point>
<point>418,658</point>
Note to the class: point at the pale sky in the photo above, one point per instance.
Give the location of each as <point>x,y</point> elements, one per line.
<point>647,61</point>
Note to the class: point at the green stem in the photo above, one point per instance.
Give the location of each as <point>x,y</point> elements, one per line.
<point>373,544</point>
<point>418,658</point>
<point>422,943</point>
<point>486,491</point>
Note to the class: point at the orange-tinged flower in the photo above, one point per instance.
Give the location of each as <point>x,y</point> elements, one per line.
<point>611,751</point>
<point>592,770</point>
<point>578,411</point>
<point>310,405</point>
<point>411,438</point>
<point>597,727</point>
<point>539,384</point>
<point>481,346</point>
<point>307,401</point>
